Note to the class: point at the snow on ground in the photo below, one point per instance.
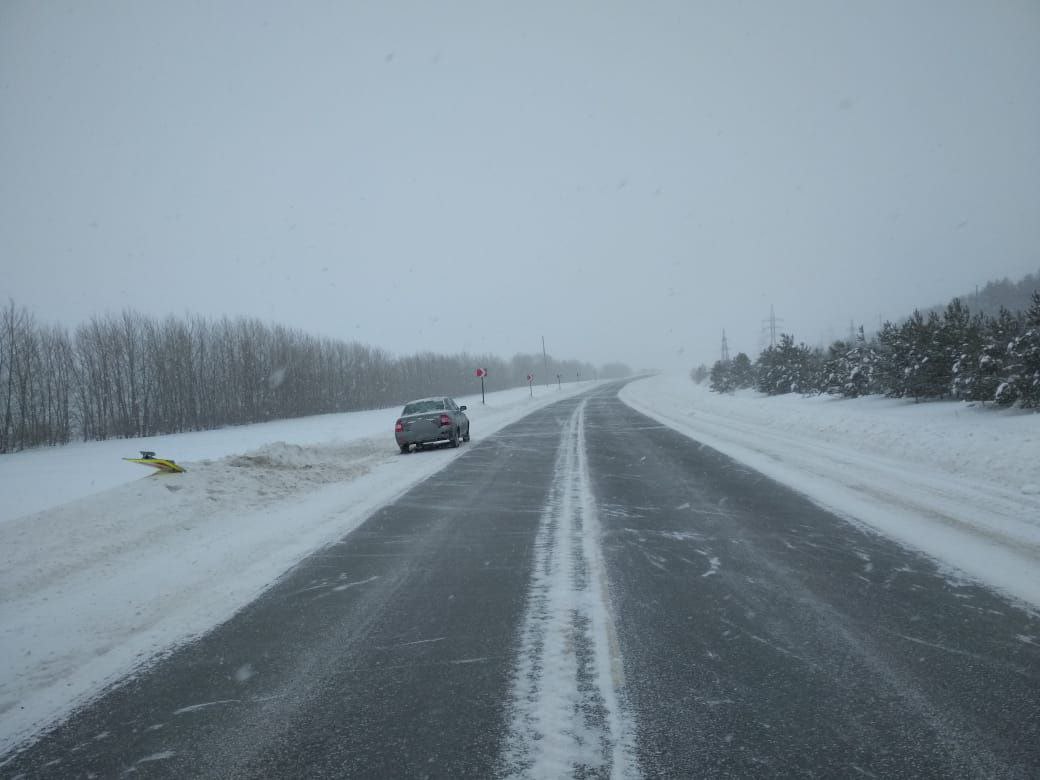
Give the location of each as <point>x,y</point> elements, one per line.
<point>104,566</point>
<point>85,468</point>
<point>959,482</point>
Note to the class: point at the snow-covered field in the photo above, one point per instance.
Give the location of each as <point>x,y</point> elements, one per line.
<point>104,565</point>
<point>958,482</point>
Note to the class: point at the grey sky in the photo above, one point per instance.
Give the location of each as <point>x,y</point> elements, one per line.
<point>624,178</point>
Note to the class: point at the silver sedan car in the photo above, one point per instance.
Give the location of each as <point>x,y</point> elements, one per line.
<point>430,420</point>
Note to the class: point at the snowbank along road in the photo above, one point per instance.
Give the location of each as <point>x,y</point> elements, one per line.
<point>587,593</point>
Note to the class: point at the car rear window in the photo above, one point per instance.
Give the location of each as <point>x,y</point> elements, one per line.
<point>423,406</point>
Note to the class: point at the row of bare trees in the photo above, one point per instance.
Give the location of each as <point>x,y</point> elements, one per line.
<point>131,375</point>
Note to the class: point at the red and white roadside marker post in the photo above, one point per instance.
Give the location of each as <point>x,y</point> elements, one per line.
<point>530,379</point>
<point>481,372</point>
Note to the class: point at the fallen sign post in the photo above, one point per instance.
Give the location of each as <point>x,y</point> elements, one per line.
<point>162,464</point>
<point>481,372</point>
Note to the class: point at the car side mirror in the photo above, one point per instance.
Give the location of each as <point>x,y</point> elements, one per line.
<point>462,408</point>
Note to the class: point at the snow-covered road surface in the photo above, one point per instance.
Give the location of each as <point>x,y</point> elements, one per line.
<point>954,481</point>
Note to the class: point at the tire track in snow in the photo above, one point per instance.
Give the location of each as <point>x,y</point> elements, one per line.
<point>567,702</point>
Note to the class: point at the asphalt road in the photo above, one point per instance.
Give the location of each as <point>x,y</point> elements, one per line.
<point>586,594</point>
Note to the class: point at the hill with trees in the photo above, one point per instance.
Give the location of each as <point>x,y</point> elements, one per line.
<point>997,295</point>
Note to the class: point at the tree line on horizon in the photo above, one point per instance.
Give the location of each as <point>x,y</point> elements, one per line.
<point>997,294</point>
<point>130,375</point>
<point>951,354</point>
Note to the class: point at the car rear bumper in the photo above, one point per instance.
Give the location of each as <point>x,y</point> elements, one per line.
<point>424,437</point>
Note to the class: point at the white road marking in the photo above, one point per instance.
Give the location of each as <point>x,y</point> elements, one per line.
<point>205,705</point>
<point>569,715</point>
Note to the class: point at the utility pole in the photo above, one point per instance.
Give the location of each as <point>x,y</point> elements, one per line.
<point>725,347</point>
<point>545,363</point>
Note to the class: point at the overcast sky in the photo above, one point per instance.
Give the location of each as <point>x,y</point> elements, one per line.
<point>626,179</point>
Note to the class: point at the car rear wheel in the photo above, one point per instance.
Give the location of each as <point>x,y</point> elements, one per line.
<point>454,440</point>
<point>404,449</point>
<point>465,436</point>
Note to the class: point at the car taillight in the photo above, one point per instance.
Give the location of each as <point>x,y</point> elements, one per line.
<point>399,428</point>
<point>445,420</point>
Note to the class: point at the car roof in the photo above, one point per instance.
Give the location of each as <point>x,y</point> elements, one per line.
<point>431,398</point>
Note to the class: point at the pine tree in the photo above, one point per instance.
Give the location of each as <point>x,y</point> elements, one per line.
<point>742,371</point>
<point>983,366</point>
<point>851,369</point>
<point>787,368</point>
<point>954,335</point>
<point>836,368</point>
<point>863,361</point>
<point>893,359</point>
<point>972,366</point>
<point>907,354</point>
<point>721,378</point>
<point>932,365</point>
<point>924,357</point>
<point>1022,382</point>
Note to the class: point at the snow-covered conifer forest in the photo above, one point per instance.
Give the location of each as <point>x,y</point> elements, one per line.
<point>951,353</point>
